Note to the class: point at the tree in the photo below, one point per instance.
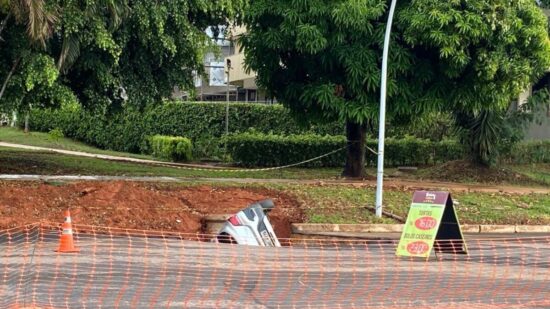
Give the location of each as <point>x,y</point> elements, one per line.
<point>30,74</point>
<point>322,58</point>
<point>36,16</point>
<point>103,53</point>
<point>504,50</point>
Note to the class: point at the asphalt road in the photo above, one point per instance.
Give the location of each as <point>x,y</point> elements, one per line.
<point>123,271</point>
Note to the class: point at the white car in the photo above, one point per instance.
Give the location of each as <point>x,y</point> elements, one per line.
<point>250,226</point>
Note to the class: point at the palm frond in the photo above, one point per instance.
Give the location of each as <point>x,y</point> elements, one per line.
<point>18,11</point>
<point>40,19</point>
<point>117,10</point>
<point>70,50</point>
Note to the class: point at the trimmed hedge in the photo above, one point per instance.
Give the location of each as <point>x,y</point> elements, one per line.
<point>174,148</point>
<point>257,149</point>
<point>203,123</point>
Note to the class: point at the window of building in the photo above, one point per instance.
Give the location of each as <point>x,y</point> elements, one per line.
<point>252,95</point>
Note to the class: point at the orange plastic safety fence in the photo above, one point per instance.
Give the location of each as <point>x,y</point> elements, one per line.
<point>118,268</point>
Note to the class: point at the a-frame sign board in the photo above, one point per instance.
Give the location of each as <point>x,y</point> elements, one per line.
<point>432,223</point>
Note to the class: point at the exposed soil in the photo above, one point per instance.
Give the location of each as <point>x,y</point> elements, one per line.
<point>137,205</point>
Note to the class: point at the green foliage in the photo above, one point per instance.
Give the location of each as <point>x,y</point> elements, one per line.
<point>529,152</point>
<point>490,133</point>
<point>55,135</point>
<point>258,149</point>
<point>435,126</point>
<point>480,131</point>
<point>174,148</point>
<point>203,123</point>
<point>103,54</point>
<point>448,150</point>
<point>39,70</point>
<point>544,3</point>
<point>441,51</point>
<point>412,151</point>
<point>319,58</point>
<point>486,52</point>
<point>322,58</point>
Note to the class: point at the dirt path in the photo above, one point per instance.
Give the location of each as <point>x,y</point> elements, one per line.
<point>105,157</point>
<point>389,184</point>
<point>136,205</point>
<point>393,184</point>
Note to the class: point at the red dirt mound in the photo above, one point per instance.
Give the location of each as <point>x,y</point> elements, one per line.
<point>136,205</point>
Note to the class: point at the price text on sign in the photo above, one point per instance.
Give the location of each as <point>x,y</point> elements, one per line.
<point>422,224</point>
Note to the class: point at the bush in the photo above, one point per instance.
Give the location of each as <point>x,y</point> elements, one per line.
<point>413,151</point>
<point>529,152</point>
<point>174,148</point>
<point>448,150</point>
<point>257,149</point>
<point>55,135</point>
<point>203,123</point>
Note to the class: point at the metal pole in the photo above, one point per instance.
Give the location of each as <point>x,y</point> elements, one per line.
<point>202,85</point>
<point>382,129</point>
<point>227,103</point>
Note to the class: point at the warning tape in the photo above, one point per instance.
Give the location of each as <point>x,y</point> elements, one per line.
<point>255,169</point>
<point>371,150</point>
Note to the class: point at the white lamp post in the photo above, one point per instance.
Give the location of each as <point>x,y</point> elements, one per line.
<point>382,128</point>
<point>228,62</point>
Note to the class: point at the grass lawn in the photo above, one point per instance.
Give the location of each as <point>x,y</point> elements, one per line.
<point>347,204</point>
<point>323,203</point>
<point>33,162</point>
<point>39,139</point>
<point>16,161</point>
<point>539,172</point>
<point>344,204</point>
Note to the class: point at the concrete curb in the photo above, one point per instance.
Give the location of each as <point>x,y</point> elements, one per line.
<point>213,223</point>
<point>309,228</point>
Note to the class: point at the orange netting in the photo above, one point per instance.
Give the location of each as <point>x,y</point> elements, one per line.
<point>119,268</point>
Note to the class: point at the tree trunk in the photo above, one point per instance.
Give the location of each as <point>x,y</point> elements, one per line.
<point>13,68</point>
<point>14,119</point>
<point>3,24</point>
<point>355,159</point>
<point>27,129</point>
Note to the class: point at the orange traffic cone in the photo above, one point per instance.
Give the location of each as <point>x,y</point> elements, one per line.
<point>66,242</point>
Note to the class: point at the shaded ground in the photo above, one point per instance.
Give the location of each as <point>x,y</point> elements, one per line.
<point>136,205</point>
<point>464,171</point>
<point>21,161</point>
<point>24,159</point>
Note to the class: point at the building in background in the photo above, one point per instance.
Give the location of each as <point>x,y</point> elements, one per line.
<point>538,130</point>
<point>247,90</point>
<point>213,86</point>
